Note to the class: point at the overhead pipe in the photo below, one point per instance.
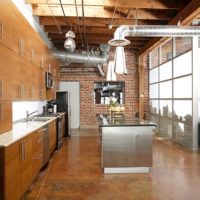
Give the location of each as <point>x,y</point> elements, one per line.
<point>151,31</point>
<point>89,58</point>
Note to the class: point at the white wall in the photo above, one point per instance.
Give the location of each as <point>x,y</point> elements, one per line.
<point>74,90</point>
<point>19,108</point>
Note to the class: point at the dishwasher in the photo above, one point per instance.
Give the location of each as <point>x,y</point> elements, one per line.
<point>46,147</point>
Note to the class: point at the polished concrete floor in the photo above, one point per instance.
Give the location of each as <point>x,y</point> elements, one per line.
<point>74,173</point>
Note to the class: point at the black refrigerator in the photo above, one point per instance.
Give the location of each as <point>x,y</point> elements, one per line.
<point>63,105</point>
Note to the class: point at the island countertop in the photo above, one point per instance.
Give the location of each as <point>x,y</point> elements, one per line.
<point>121,119</point>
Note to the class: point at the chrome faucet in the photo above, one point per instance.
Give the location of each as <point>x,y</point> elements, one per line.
<point>29,114</point>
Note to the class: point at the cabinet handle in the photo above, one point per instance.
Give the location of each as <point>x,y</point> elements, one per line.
<point>33,91</point>
<point>33,55</point>
<point>23,49</point>
<point>42,62</point>
<point>1,112</point>
<point>41,93</point>
<point>44,129</point>
<point>1,29</point>
<point>49,68</point>
<point>21,91</point>
<point>38,157</point>
<point>21,46</point>
<point>39,140</point>
<point>23,151</point>
<point>1,88</point>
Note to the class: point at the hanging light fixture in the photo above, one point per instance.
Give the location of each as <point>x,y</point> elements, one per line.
<point>111,76</point>
<point>69,43</point>
<point>120,61</point>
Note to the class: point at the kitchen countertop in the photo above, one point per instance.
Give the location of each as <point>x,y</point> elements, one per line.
<point>121,119</point>
<point>20,130</point>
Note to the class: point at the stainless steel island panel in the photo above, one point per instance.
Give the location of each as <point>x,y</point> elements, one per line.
<point>129,146</point>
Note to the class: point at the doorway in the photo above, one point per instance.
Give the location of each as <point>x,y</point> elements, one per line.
<point>73,88</point>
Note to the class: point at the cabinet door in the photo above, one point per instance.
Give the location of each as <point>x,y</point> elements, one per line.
<point>52,136</point>
<point>26,79</point>
<point>8,35</point>
<point>5,116</point>
<point>42,84</point>
<point>13,185</point>
<point>37,150</point>
<point>9,73</point>
<point>26,162</point>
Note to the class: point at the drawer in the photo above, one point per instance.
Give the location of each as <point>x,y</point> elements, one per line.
<point>36,164</point>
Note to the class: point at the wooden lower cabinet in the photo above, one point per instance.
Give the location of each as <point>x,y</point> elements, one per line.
<point>37,152</point>
<point>11,172</point>
<point>26,162</point>
<point>52,136</point>
<point>5,116</point>
<point>20,162</point>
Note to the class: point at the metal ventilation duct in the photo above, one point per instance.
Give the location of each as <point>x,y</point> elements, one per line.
<point>89,58</point>
<point>151,31</point>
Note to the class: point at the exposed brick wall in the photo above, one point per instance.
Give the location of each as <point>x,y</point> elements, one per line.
<point>87,108</point>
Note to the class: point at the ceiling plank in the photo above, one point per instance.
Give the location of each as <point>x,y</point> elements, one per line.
<point>100,12</point>
<point>186,15</point>
<point>70,11</point>
<point>152,4</point>
<point>95,22</point>
<point>150,14</point>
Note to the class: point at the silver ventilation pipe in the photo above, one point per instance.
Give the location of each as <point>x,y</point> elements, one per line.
<point>151,31</point>
<point>89,58</point>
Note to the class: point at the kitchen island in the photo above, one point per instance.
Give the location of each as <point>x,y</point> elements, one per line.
<point>126,143</point>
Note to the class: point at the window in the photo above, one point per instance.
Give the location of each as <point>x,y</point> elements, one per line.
<point>104,90</point>
<point>183,64</point>
<point>182,45</point>
<point>166,51</point>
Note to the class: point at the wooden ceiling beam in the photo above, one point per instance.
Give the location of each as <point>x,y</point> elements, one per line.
<point>95,22</point>
<point>103,30</point>
<point>153,4</point>
<point>189,13</point>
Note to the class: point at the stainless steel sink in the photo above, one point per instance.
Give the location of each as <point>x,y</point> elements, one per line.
<point>40,119</point>
<point>37,119</point>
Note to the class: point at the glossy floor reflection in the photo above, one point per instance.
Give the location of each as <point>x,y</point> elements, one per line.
<point>74,173</point>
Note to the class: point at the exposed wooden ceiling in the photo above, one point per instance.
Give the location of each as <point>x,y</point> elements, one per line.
<point>91,25</point>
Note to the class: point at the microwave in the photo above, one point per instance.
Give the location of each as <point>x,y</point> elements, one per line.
<point>49,80</point>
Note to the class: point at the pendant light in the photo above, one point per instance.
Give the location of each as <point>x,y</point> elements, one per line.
<point>111,76</point>
<point>69,43</point>
<point>120,61</point>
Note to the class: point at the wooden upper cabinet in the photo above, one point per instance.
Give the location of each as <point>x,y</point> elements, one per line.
<point>8,27</point>
<point>22,49</point>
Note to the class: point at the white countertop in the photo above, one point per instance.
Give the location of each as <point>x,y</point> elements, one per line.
<point>20,130</point>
